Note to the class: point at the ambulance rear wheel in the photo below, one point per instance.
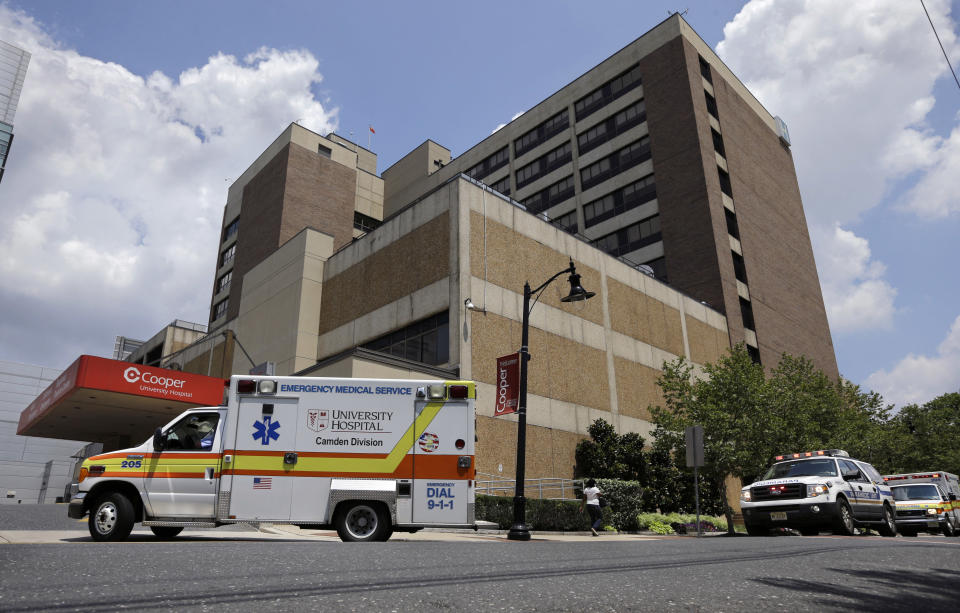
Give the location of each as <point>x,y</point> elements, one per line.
<point>845,524</point>
<point>949,529</point>
<point>166,532</point>
<point>111,518</point>
<point>361,522</point>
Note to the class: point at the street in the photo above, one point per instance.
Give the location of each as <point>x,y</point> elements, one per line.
<point>236,570</point>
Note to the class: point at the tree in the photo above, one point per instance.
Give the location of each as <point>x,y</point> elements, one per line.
<point>929,435</point>
<point>608,455</point>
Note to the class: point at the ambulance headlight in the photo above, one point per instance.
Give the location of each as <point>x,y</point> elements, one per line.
<point>817,489</point>
<point>744,495</point>
<point>932,511</point>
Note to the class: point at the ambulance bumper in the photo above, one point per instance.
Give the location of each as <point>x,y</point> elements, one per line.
<point>75,509</point>
<point>790,515</point>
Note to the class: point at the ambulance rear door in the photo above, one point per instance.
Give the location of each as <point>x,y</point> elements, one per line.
<point>443,462</point>
<point>260,465</point>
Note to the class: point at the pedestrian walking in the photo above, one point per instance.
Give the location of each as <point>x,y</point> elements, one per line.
<point>591,500</point>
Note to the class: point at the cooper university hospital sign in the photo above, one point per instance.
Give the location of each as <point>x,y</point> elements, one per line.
<point>158,384</point>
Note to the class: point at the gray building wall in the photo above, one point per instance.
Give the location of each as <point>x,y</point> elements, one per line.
<point>23,459</point>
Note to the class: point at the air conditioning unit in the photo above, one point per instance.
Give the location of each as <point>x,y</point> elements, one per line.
<point>782,131</point>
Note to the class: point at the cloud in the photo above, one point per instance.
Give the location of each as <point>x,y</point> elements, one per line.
<point>855,85</point>
<point>115,187</point>
<point>920,378</point>
<point>856,295</point>
<point>497,129</point>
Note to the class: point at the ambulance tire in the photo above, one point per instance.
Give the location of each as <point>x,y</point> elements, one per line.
<point>949,529</point>
<point>166,532</point>
<point>845,525</point>
<point>363,522</point>
<point>889,526</point>
<point>111,518</point>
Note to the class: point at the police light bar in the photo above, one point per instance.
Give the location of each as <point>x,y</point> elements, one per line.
<point>840,453</point>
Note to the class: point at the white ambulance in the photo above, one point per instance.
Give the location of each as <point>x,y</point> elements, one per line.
<point>364,456</point>
<point>926,502</point>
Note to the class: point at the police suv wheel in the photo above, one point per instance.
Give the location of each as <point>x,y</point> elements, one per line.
<point>166,532</point>
<point>111,518</point>
<point>363,522</point>
<point>845,524</point>
<point>889,525</point>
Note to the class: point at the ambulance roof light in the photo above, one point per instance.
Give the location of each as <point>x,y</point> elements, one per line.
<point>436,391</point>
<point>267,386</point>
<point>459,391</point>
<point>246,386</point>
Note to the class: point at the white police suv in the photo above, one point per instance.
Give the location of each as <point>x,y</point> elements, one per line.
<point>819,490</point>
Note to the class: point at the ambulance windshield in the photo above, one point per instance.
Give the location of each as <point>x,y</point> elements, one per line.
<point>820,467</point>
<point>926,491</point>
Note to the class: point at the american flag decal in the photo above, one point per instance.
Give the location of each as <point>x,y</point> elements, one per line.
<point>262,483</point>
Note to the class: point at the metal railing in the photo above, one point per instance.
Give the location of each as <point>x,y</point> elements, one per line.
<point>552,488</point>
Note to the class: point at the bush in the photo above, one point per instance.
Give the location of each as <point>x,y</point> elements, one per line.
<point>681,523</point>
<point>541,514</point>
<point>625,498</point>
<point>659,527</point>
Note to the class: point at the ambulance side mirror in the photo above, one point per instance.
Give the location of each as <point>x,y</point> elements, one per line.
<point>158,440</point>
<point>952,496</point>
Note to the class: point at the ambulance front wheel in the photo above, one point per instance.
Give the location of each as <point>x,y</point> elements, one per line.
<point>111,518</point>
<point>360,522</point>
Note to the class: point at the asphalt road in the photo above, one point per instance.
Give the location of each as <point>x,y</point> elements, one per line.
<point>681,573</point>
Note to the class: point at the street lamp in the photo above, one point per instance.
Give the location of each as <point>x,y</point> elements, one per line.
<point>520,531</point>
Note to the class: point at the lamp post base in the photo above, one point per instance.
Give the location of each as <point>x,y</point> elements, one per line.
<point>519,532</point>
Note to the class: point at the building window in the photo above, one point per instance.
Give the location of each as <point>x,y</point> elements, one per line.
<point>611,127</point>
<point>567,222</point>
<point>732,228</point>
<point>224,281</point>
<point>754,354</point>
<point>227,256</point>
<point>365,223</point>
<point>552,160</point>
<point>620,201</point>
<point>633,154</point>
<point>426,341</point>
<point>705,70</point>
<point>746,313</point>
<point>718,142</point>
<point>725,186</point>
<point>607,93</point>
<point>659,268</point>
<point>739,269</point>
<point>550,196</point>
<point>502,186</point>
<point>542,133</point>
<point>499,159</point>
<point>232,228</point>
<point>220,309</point>
<point>629,239</point>
<point>712,106</point>
<point>324,151</point>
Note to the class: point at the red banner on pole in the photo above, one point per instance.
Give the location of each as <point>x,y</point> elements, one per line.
<point>508,384</point>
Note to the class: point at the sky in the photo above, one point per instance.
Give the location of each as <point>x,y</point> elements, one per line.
<point>135,117</point>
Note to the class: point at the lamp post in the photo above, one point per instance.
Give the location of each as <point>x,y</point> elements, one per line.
<point>520,531</point>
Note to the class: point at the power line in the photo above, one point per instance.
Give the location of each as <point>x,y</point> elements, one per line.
<point>952,71</point>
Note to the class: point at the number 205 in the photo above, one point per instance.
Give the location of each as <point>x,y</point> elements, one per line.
<point>131,464</point>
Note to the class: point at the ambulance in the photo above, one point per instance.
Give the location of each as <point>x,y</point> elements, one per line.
<point>819,490</point>
<point>926,502</point>
<point>362,456</point>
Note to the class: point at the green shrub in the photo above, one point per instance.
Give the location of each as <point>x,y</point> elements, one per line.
<point>659,527</point>
<point>541,514</point>
<point>626,499</point>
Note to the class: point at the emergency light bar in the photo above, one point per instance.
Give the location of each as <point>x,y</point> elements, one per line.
<point>839,453</point>
<point>913,476</point>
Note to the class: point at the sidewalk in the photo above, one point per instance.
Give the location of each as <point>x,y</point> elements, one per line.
<point>285,532</point>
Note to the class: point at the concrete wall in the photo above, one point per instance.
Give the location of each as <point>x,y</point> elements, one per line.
<point>23,458</point>
<point>280,305</point>
<point>590,360</point>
